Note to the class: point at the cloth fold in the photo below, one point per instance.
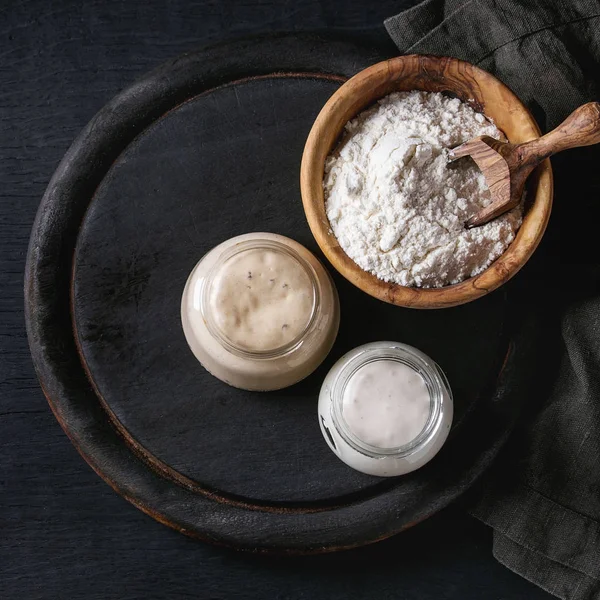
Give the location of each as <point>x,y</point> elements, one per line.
<point>542,497</point>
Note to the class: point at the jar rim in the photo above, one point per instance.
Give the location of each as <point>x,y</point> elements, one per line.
<point>227,255</point>
<point>434,378</point>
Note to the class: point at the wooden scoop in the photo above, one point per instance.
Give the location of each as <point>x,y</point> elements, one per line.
<point>506,166</point>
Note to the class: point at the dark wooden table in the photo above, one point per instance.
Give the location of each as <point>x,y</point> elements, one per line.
<point>63,532</point>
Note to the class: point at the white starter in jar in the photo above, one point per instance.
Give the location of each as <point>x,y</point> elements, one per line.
<point>260,312</point>
<point>385,409</point>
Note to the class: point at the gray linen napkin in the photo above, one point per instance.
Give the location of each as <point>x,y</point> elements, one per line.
<point>542,498</point>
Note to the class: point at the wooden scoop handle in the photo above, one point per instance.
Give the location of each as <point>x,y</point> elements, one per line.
<point>580,128</point>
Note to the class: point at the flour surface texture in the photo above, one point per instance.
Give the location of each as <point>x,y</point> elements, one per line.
<point>398,208</point>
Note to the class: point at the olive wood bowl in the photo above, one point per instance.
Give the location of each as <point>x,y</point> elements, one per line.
<point>485,94</point>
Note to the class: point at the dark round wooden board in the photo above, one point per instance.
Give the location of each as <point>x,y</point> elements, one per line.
<point>206,147</point>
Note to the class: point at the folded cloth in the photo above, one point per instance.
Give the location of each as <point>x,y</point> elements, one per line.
<point>542,497</point>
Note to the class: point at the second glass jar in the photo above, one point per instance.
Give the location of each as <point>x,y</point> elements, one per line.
<point>359,451</point>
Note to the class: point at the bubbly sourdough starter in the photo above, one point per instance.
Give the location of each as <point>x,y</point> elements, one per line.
<point>262,299</point>
<point>386,404</point>
<point>260,312</point>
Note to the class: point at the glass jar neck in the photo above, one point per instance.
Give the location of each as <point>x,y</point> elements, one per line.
<point>207,309</point>
<point>410,357</point>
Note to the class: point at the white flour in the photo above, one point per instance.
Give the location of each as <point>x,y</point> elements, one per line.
<point>395,205</point>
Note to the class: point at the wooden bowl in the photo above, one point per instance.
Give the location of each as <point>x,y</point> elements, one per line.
<point>485,94</point>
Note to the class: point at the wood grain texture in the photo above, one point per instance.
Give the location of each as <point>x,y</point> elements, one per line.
<point>487,154</point>
<point>434,74</point>
<point>507,166</point>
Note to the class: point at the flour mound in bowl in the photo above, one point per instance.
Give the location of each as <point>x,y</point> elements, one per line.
<point>398,208</point>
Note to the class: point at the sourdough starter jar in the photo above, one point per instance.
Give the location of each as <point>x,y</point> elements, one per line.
<point>385,409</point>
<point>260,312</point>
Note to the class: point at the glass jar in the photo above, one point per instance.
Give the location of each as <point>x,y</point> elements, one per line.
<point>366,457</point>
<point>260,312</point>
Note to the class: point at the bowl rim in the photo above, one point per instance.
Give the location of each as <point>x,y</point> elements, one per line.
<point>500,271</point>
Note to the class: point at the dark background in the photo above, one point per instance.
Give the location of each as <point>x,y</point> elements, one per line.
<point>63,532</point>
